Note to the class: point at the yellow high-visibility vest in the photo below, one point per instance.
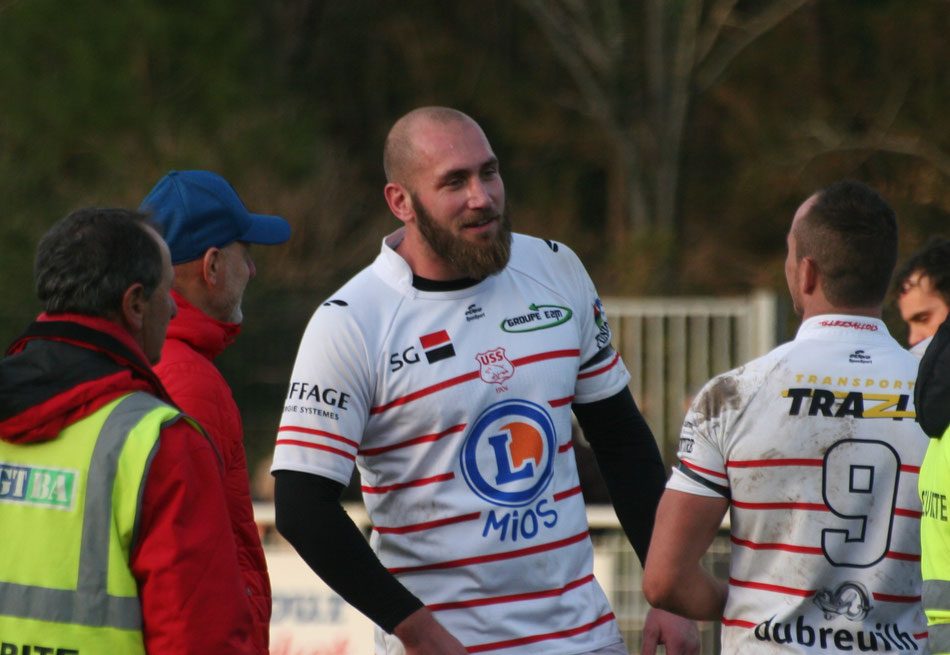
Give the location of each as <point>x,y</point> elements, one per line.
<point>69,511</point>
<point>934,487</point>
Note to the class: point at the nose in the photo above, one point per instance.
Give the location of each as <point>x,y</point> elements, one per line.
<point>478,196</point>
<point>252,270</point>
<point>916,335</point>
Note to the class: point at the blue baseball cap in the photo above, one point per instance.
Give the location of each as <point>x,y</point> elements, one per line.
<point>200,210</point>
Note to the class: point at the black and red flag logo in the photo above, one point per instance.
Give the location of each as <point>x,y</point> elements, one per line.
<point>437,346</point>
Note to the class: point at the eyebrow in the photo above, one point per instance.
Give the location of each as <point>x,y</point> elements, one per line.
<point>455,172</point>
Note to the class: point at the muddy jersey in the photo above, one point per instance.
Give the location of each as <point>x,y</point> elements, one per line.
<point>816,446</point>
<point>456,407</point>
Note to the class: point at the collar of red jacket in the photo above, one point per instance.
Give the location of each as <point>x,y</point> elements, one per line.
<point>207,335</point>
<point>64,368</point>
<point>96,323</point>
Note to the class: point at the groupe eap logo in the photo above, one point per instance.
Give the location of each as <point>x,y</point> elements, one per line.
<point>508,455</point>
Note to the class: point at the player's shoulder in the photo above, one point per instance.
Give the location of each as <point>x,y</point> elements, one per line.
<point>359,307</point>
<point>736,387</point>
<point>525,245</point>
<point>543,258</point>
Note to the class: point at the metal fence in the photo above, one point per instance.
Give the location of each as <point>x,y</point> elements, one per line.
<point>672,346</point>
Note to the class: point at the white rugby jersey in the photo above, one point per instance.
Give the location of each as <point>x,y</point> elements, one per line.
<point>816,446</point>
<point>456,407</point>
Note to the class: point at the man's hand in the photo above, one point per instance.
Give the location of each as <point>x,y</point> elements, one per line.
<point>421,634</point>
<point>679,635</point>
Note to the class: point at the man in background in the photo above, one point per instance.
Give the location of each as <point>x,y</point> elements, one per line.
<point>814,451</point>
<point>115,532</point>
<point>932,400</point>
<point>447,371</point>
<point>922,284</point>
<point>209,232</point>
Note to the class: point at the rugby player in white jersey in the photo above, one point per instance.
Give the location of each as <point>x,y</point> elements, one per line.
<point>447,372</point>
<point>814,450</point>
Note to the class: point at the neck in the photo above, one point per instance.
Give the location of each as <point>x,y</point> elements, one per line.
<point>873,311</point>
<point>422,261</point>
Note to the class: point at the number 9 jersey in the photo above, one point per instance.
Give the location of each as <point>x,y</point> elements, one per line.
<point>816,447</point>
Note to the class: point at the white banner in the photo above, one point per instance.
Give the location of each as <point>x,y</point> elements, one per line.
<point>308,617</point>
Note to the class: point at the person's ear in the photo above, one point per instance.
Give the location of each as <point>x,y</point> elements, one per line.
<point>133,308</point>
<point>399,201</point>
<point>211,266</point>
<point>809,275</point>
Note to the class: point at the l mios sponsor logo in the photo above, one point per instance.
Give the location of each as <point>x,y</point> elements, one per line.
<point>540,317</point>
<point>507,459</point>
<point>51,488</point>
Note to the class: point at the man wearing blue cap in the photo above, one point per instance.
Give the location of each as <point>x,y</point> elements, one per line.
<point>208,231</point>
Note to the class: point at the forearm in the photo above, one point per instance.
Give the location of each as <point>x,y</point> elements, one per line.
<point>310,517</point>
<point>673,578</point>
<point>629,461</point>
<point>695,594</point>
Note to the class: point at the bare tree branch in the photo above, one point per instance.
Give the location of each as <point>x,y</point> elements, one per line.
<point>718,17</point>
<point>557,29</point>
<point>683,50</point>
<point>831,140</point>
<point>711,68</point>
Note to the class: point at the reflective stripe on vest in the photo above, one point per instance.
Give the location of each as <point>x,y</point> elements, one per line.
<point>935,595</point>
<point>938,637</point>
<point>90,603</point>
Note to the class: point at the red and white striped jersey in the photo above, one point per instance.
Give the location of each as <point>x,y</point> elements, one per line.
<point>816,446</point>
<point>456,407</point>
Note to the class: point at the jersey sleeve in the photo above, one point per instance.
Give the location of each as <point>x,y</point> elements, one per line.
<point>328,398</point>
<point>702,462</point>
<point>602,372</point>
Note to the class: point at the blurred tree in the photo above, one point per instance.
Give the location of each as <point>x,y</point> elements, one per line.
<point>637,69</point>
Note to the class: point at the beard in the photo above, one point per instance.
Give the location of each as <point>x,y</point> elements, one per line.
<point>472,259</point>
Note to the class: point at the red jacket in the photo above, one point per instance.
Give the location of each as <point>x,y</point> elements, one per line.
<point>189,582</point>
<point>198,388</point>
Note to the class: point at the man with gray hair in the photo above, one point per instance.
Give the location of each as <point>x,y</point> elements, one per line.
<point>209,233</point>
<point>116,536</point>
